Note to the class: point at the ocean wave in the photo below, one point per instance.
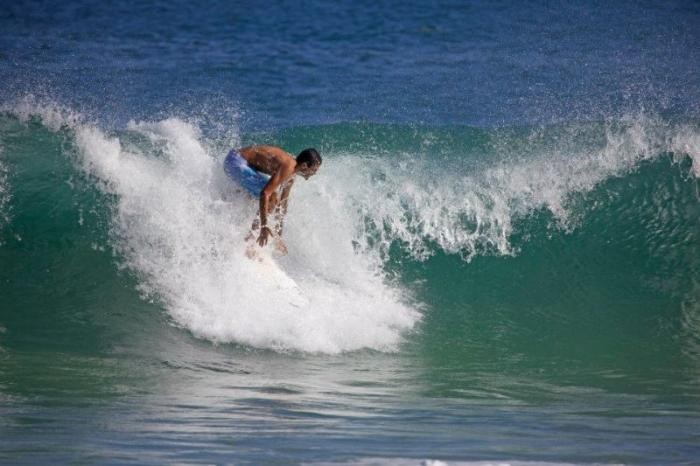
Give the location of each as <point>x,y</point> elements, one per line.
<point>178,225</point>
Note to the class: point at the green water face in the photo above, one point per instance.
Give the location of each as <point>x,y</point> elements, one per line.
<point>60,287</point>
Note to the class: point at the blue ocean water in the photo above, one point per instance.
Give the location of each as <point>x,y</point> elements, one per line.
<point>478,63</point>
<point>500,253</point>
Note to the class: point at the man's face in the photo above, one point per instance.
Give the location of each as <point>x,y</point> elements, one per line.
<point>308,170</point>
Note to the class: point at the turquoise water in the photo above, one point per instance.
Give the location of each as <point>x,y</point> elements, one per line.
<point>501,252</point>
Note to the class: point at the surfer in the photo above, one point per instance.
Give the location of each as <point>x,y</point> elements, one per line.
<point>265,171</point>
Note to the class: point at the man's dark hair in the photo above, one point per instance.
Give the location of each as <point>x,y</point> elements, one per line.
<point>310,156</point>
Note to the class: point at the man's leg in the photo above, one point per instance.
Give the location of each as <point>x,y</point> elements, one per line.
<point>273,213</point>
<point>272,203</point>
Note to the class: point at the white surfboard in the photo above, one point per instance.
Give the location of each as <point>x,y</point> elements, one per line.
<point>272,273</point>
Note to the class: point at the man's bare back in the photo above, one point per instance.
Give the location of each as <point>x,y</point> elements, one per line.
<point>267,159</point>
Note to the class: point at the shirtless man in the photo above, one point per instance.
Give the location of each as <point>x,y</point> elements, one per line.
<point>263,171</point>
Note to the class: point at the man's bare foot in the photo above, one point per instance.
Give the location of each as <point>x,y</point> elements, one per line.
<point>280,247</point>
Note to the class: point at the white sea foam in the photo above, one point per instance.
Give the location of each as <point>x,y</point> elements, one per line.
<point>465,212</point>
<point>180,224</point>
<point>687,142</point>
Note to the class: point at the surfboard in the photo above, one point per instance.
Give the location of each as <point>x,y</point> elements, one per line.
<point>272,273</point>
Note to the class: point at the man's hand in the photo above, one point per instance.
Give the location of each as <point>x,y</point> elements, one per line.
<point>265,233</point>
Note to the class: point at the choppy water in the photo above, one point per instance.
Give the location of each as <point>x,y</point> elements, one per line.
<point>501,252</point>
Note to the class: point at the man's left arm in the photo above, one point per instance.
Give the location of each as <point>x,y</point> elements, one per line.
<point>282,206</point>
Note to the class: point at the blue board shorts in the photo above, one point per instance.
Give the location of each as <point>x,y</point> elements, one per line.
<point>237,168</point>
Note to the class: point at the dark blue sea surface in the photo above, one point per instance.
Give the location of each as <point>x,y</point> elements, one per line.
<point>286,64</point>
<point>497,263</point>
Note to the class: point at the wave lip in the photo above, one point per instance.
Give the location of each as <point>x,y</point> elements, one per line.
<point>470,207</point>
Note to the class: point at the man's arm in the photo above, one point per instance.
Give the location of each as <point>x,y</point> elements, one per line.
<point>284,172</point>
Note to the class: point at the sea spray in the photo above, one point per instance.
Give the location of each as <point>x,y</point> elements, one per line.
<point>4,194</point>
<point>181,225</point>
<point>468,207</point>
